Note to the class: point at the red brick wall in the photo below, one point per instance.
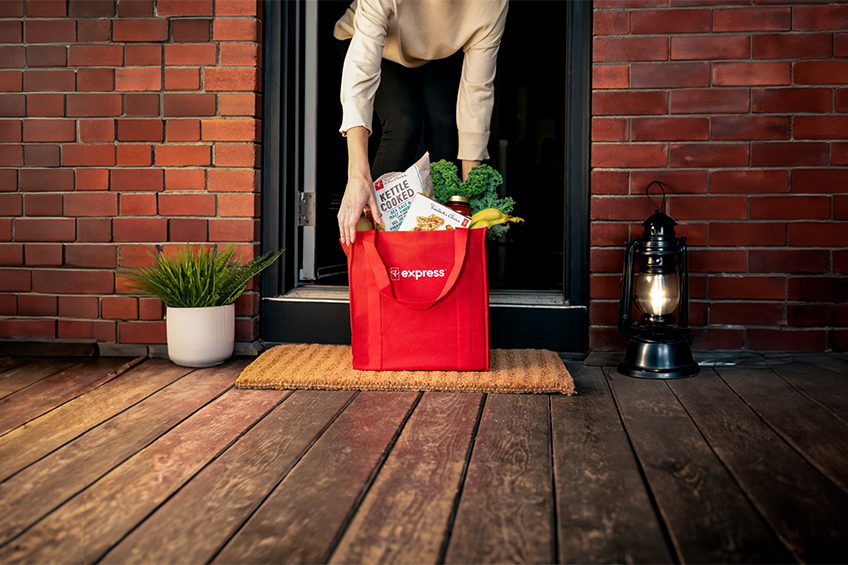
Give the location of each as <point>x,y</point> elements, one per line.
<point>123,123</point>
<point>741,109</point>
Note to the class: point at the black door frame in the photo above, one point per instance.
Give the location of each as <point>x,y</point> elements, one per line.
<point>327,321</point>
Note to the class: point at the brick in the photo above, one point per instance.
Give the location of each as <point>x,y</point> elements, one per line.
<point>13,56</point>
<point>788,261</point>
<point>233,180</point>
<point>240,104</point>
<point>609,129</point>
<point>141,130</point>
<point>12,9</point>
<point>91,8</point>
<point>92,179</point>
<point>717,261</point>
<point>140,31</point>
<point>241,55</point>
<point>47,9</point>
<point>91,204</point>
<point>12,105</point>
<point>190,204</point>
<point>41,155</point>
<point>10,130</point>
<point>181,105</point>
<point>43,255</point>
<point>135,155</point>
<point>141,104</point>
<point>187,229</point>
<point>19,328</point>
<point>47,56</point>
<point>762,339</point>
<point>150,308</point>
<point>840,99</point>
<point>629,103</point>
<point>236,29</point>
<point>46,179</point>
<point>790,100</point>
<point>191,30</point>
<point>182,130</point>
<point>227,79</point>
<point>840,45</point>
<point>135,180</point>
<point>184,7</point>
<point>231,155</point>
<point>182,79</point>
<point>610,76</point>
<point>11,204</point>
<point>143,55</point>
<point>610,23</point>
<point>101,331</point>
<point>138,204</point>
<point>52,80</point>
<point>11,156</point>
<point>623,49</point>
<point>669,129</point>
<point>732,128</point>
<point>747,314</point>
<point>91,256</point>
<point>70,281</point>
<point>810,18</point>
<point>602,339</point>
<point>604,286</point>
<point>230,130</point>
<point>818,234</point>
<point>710,48</point>
<point>15,280</point>
<point>752,19</point>
<point>708,207</point>
<point>233,230</point>
<point>138,79</point>
<point>747,288</point>
<point>88,155</point>
<point>41,204</point>
<point>751,74</point>
<point>136,255</point>
<point>45,105</point>
<point>185,179</point>
<point>11,255</point>
<point>94,230</point>
<point>840,262</point>
<point>90,105</point>
<point>818,289</point>
<point>792,46</point>
<point>95,79</point>
<point>142,332</point>
<point>749,181</point>
<point>49,130</point>
<point>839,153</point>
<point>675,181</point>
<point>96,130</point>
<point>135,8</point>
<point>11,81</point>
<point>606,260</point>
<point>621,208</point>
<point>239,205</point>
<point>809,315</point>
<point>748,234</point>
<point>140,229</point>
<point>669,21</point>
<point>707,155</point>
<point>94,31</point>
<point>714,101</point>
<point>182,54</point>
<point>183,155</point>
<point>821,72</point>
<point>50,31</point>
<point>608,234</point>
<point>95,55</point>
<point>5,229</point>
<point>11,31</point>
<point>119,307</point>
<point>670,75</point>
<point>840,207</point>
<point>8,180</point>
<point>820,127</point>
<point>788,154</point>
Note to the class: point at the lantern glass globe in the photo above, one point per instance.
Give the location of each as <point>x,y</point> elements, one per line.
<point>658,294</point>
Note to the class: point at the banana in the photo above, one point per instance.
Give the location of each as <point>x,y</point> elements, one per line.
<point>487,214</point>
<point>497,221</point>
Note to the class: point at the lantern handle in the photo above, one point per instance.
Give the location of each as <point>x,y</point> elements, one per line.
<point>662,204</point>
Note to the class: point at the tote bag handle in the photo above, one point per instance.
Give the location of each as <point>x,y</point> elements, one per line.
<point>460,250</point>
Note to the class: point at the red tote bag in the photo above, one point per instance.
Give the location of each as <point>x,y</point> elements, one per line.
<point>419,300</point>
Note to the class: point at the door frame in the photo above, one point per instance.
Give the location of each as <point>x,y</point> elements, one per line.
<point>293,313</point>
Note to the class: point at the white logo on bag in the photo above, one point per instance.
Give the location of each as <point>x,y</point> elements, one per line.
<point>396,273</point>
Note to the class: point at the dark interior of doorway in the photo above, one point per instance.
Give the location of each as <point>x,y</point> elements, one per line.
<point>527,147</point>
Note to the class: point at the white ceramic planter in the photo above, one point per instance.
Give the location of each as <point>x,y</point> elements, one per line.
<point>200,337</point>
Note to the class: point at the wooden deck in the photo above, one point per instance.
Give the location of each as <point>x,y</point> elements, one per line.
<point>140,461</point>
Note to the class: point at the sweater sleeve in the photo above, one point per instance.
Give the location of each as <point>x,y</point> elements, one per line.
<point>476,97</point>
<point>361,71</point>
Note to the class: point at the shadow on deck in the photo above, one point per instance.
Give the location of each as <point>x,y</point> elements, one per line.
<point>140,461</point>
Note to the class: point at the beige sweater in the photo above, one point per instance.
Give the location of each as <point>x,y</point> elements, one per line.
<point>413,32</point>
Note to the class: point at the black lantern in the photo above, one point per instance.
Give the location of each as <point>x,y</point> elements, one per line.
<point>658,348</point>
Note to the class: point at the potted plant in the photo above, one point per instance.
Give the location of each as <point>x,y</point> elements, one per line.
<point>199,287</point>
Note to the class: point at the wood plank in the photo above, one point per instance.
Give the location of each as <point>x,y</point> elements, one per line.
<point>28,443</point>
<point>604,511</point>
<point>706,513</point>
<point>43,486</point>
<point>193,525</point>
<point>45,395</point>
<point>807,425</point>
<point>405,515</point>
<point>823,378</point>
<point>806,510</point>
<point>84,528</point>
<point>506,511</point>
<point>23,374</point>
<point>304,515</point>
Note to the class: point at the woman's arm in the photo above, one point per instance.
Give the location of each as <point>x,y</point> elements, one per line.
<point>359,191</point>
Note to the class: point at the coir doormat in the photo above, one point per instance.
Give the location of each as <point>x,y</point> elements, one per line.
<point>329,367</point>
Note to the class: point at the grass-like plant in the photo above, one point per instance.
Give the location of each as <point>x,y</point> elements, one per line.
<point>197,277</point>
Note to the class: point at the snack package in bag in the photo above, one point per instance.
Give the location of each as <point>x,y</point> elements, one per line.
<point>395,192</point>
<point>425,214</point>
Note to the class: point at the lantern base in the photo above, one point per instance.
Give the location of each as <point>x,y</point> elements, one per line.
<point>667,359</point>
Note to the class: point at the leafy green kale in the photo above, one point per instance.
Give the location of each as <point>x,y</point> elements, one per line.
<point>491,200</point>
<point>445,180</point>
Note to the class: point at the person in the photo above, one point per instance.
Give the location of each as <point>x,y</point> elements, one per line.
<point>427,69</point>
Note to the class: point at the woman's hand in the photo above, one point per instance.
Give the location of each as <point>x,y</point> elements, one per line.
<point>467,166</point>
<point>359,191</point>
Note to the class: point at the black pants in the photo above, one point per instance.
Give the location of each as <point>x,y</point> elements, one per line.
<point>417,112</point>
